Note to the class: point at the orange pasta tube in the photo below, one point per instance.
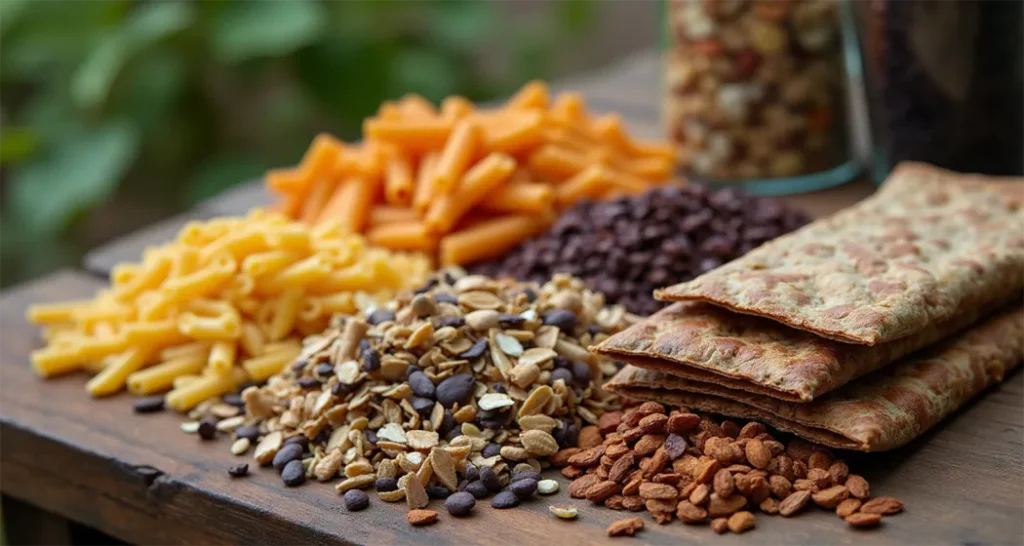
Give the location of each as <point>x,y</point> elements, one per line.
<point>425,183</point>
<point>415,106</point>
<point>489,238</point>
<point>356,210</point>
<point>516,134</point>
<point>321,157</point>
<point>570,107</point>
<point>403,236</point>
<point>398,182</point>
<point>481,180</point>
<point>587,183</point>
<point>534,94</point>
<point>338,202</point>
<point>286,180</point>
<point>384,214</point>
<point>655,169</point>
<point>627,182</point>
<point>411,134</point>
<point>609,128</point>
<point>456,156</point>
<point>456,107</point>
<point>389,110</point>
<point>523,197</point>
<point>316,200</point>
<point>655,149</point>
<point>556,162</point>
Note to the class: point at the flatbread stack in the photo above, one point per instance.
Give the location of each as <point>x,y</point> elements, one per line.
<point>859,331</point>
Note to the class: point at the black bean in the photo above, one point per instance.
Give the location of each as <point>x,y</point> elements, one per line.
<point>563,374</point>
<point>299,439</point>
<point>371,436</point>
<point>531,296</point>
<point>149,404</point>
<point>208,428</point>
<point>490,479</point>
<point>285,455</point>
<point>380,315</point>
<point>491,450</point>
<point>454,322</point>
<point>499,388</point>
<point>421,385</point>
<point>442,297</point>
<point>471,473</point>
<point>523,488</point>
<point>371,360</point>
<point>386,484</point>
<point>293,473</point>
<point>493,424</point>
<point>447,424</point>
<point>478,490</point>
<point>504,500</point>
<point>562,319</point>
<point>476,351</point>
<point>526,474</point>
<point>423,406</point>
<point>356,500</point>
<point>581,371</point>
<point>238,470</point>
<point>341,389</point>
<point>569,436</point>
<point>364,344</point>
<point>460,504</point>
<point>308,383</point>
<point>431,282</point>
<point>438,492</point>
<point>324,369</point>
<point>234,399</point>
<point>299,365</point>
<point>457,388</point>
<point>453,434</point>
<point>510,320</point>
<point>247,431</point>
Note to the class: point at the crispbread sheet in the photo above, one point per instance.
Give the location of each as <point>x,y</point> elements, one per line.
<point>926,245</point>
<point>881,411</point>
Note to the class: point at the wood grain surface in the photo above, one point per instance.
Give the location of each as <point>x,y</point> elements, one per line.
<point>141,479</point>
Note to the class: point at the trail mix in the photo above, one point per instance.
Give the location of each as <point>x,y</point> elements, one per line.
<point>464,386</point>
<point>629,246</point>
<point>679,465</point>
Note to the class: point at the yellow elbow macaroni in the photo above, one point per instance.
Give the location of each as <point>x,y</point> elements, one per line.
<point>226,302</point>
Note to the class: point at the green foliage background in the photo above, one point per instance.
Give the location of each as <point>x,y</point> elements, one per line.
<point>117,112</point>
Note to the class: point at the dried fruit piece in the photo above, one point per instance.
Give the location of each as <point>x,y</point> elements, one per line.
<point>769,506</point>
<point>741,522</point>
<point>861,519</point>
<point>758,454</point>
<point>723,483</point>
<point>663,491</point>
<point>602,490</point>
<point>421,517</point>
<point>847,507</point>
<point>725,506</point>
<point>858,487</point>
<point>831,497</point>
<point>563,511</point>
<point>588,457</point>
<point>628,526</point>
<point>720,525</point>
<point>539,443</point>
<point>578,488</point>
<point>700,495</point>
<point>882,505</point>
<point>681,423</point>
<point>794,503</point>
<point>687,512</point>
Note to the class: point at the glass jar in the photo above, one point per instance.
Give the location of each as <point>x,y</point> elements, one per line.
<point>754,93</point>
<point>945,83</point>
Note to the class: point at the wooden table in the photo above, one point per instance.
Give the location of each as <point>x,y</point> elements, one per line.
<point>140,479</point>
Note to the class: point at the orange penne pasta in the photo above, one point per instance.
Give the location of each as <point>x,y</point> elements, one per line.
<point>398,181</point>
<point>589,182</point>
<point>556,162</point>
<point>516,134</point>
<point>482,179</point>
<point>386,214</point>
<point>456,107</point>
<point>356,210</point>
<point>534,94</point>
<point>610,129</point>
<point>286,180</point>
<point>424,191</point>
<point>489,238</point>
<point>627,182</point>
<point>522,197</point>
<point>456,156</point>
<point>655,169</point>
<point>389,110</point>
<point>321,191</point>
<point>403,236</point>
<point>415,106</point>
<point>338,203</point>
<point>418,135</point>
<point>321,158</point>
<point>570,107</point>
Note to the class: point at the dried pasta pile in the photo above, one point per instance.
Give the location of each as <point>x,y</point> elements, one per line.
<point>227,302</point>
<point>468,184</point>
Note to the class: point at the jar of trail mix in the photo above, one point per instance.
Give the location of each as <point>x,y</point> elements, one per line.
<point>755,90</point>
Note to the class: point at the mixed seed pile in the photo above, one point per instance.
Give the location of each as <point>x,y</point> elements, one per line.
<point>464,386</point>
<point>676,464</point>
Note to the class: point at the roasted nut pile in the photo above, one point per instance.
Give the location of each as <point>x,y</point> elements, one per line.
<point>627,247</point>
<point>681,465</point>
<point>467,384</point>
<point>753,89</point>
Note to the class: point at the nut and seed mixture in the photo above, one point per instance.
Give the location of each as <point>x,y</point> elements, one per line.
<point>627,247</point>
<point>466,385</point>
<point>754,89</point>
<point>679,465</point>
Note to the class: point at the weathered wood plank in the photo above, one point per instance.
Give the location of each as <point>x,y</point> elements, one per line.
<point>140,479</point>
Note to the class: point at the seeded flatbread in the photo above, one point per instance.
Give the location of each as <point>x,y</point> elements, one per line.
<point>700,341</point>
<point>880,411</point>
<point>910,256</point>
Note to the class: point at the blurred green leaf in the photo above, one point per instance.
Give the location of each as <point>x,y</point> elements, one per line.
<point>575,16</point>
<point>151,88</point>
<point>18,144</point>
<point>429,73</point>
<point>328,70</point>
<point>10,13</point>
<point>150,23</point>
<point>244,30</point>
<point>462,24</point>
<point>221,173</point>
<point>81,171</point>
